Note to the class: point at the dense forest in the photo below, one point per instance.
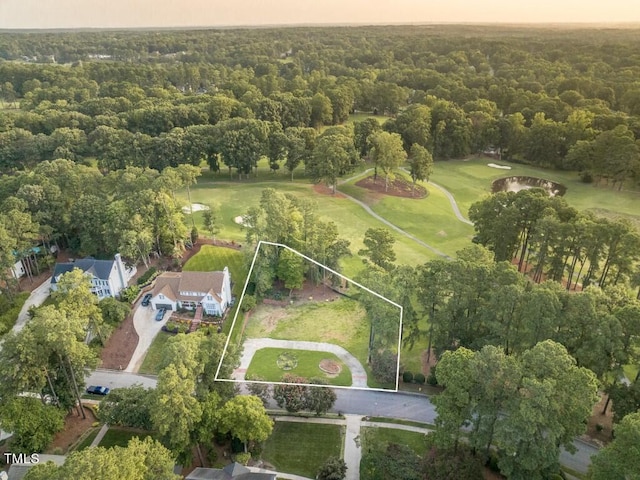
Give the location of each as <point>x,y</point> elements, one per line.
<point>567,99</point>
<point>99,130</point>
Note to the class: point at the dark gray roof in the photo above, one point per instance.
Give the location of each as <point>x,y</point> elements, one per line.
<point>98,268</point>
<point>233,471</point>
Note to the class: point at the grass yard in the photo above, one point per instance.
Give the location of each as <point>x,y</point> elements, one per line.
<point>212,258</point>
<point>88,438</point>
<point>342,322</point>
<point>151,363</point>
<point>264,365</point>
<point>373,437</point>
<point>120,437</point>
<point>301,448</point>
<point>631,371</point>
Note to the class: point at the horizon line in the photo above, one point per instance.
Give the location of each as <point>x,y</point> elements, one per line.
<point>591,24</point>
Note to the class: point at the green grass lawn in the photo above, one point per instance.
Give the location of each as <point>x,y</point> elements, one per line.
<point>151,363</point>
<point>120,437</point>
<point>470,180</point>
<point>430,219</point>
<point>236,197</point>
<point>342,322</point>
<point>87,439</point>
<point>301,448</point>
<point>373,437</point>
<point>212,258</point>
<point>631,371</point>
<point>264,365</point>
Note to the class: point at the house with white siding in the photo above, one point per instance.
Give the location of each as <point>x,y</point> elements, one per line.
<point>189,290</point>
<point>108,277</point>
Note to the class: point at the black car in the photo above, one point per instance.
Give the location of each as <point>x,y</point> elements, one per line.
<point>146,300</point>
<point>98,390</point>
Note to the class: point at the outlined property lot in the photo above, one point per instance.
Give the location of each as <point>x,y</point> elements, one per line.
<point>320,333</point>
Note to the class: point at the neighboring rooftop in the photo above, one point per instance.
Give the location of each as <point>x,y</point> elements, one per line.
<point>233,471</point>
<point>99,268</point>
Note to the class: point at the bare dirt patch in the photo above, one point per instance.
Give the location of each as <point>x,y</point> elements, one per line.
<point>271,321</point>
<point>600,436</point>
<point>427,364</point>
<point>324,190</point>
<point>330,367</point>
<point>119,349</point>
<point>74,427</point>
<point>311,292</point>
<point>398,187</point>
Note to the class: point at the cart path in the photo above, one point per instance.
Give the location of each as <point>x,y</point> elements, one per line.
<point>252,345</point>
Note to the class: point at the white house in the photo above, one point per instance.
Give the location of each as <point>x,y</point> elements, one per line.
<point>189,290</point>
<point>108,277</point>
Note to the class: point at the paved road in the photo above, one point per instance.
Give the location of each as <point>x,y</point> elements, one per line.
<point>252,345</point>
<point>407,406</point>
<point>37,297</point>
<point>147,329</point>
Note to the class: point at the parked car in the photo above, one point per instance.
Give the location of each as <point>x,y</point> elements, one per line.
<point>98,390</point>
<point>146,300</point>
<point>160,314</point>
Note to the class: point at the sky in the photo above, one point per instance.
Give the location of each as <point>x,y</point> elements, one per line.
<point>184,13</point>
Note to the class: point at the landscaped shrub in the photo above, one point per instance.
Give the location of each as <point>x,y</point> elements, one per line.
<point>418,378</point>
<point>130,293</point>
<point>113,311</point>
<point>432,379</point>
<point>243,458</point>
<point>248,302</point>
<point>150,274</point>
<point>10,310</point>
<point>407,377</point>
<point>384,366</point>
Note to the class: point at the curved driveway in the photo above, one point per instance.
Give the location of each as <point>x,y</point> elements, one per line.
<point>252,345</point>
<point>147,329</point>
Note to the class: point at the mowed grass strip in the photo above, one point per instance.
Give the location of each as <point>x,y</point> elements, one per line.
<point>301,448</point>
<point>151,363</point>
<point>373,438</point>
<point>264,365</point>
<point>120,437</point>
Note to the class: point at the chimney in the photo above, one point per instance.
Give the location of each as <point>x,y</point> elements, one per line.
<point>120,267</point>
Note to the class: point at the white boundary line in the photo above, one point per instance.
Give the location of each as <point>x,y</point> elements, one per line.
<point>235,317</point>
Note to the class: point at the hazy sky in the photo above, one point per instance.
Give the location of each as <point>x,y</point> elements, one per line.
<point>167,13</point>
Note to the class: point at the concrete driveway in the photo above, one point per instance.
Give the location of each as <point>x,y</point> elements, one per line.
<point>147,328</point>
<point>37,297</point>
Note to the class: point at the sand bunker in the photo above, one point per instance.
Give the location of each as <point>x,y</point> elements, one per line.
<point>239,220</point>
<point>502,167</point>
<point>195,207</point>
